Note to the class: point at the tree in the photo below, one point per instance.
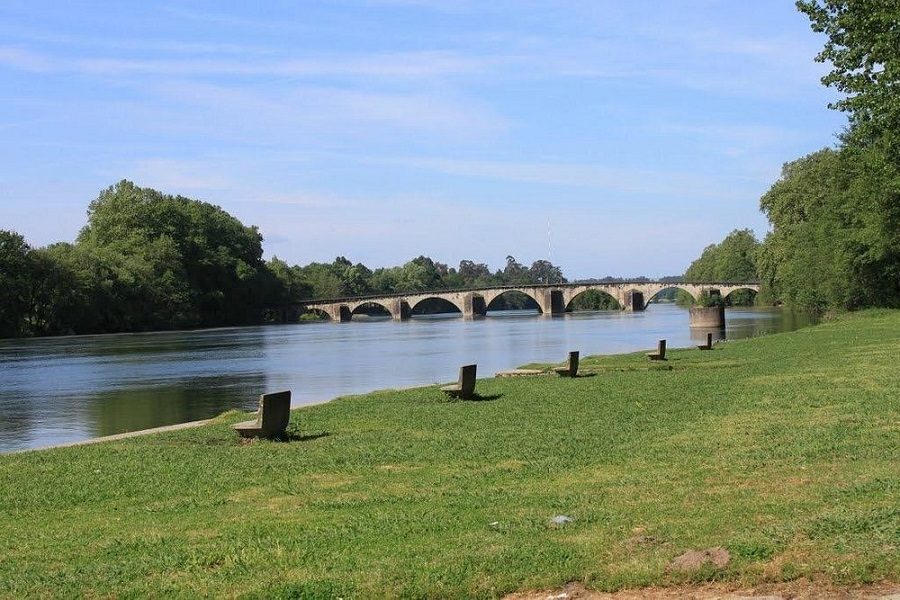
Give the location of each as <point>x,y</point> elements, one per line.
<point>419,274</point>
<point>733,259</point>
<point>835,240</point>
<point>474,274</point>
<point>322,280</point>
<point>183,262</point>
<point>543,271</point>
<point>863,48</point>
<point>514,273</point>
<point>357,280</point>
<point>15,281</point>
<point>291,286</point>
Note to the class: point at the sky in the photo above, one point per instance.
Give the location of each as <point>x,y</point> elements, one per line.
<point>631,134</point>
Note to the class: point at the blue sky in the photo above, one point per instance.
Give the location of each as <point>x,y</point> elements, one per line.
<point>385,129</point>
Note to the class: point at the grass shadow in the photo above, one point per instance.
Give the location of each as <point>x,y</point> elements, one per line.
<point>476,397</point>
<point>296,436</point>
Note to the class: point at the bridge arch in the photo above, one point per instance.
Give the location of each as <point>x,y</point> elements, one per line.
<point>656,292</point>
<point>530,302</point>
<point>596,298</point>
<point>417,307</point>
<point>753,291</point>
<point>380,309</point>
<point>317,313</point>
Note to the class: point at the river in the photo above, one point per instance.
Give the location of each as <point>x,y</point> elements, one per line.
<point>57,390</point>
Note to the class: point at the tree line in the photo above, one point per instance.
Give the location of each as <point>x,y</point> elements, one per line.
<point>151,261</point>
<point>834,242</point>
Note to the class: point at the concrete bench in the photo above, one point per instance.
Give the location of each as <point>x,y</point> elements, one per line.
<point>708,345</point>
<point>571,368</point>
<point>660,353</point>
<point>465,387</point>
<point>271,419</point>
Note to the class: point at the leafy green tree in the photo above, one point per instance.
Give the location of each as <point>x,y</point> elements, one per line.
<point>62,292</point>
<point>474,274</point>
<point>514,273</point>
<point>385,280</point>
<point>15,281</point>
<point>419,274</point>
<point>289,286</point>
<point>835,240</point>
<point>543,271</point>
<point>322,280</point>
<point>184,262</point>
<point>357,280</point>
<point>863,49</point>
<point>733,259</point>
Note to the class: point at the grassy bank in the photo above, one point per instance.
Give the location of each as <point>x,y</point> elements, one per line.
<point>783,449</point>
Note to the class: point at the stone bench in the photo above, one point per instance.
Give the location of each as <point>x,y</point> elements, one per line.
<point>660,353</point>
<point>465,387</point>
<point>271,419</point>
<point>571,368</point>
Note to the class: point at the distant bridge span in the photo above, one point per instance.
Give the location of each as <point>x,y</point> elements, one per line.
<point>551,298</point>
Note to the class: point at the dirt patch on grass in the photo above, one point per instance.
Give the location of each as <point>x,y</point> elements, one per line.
<point>694,560</point>
<point>801,589</point>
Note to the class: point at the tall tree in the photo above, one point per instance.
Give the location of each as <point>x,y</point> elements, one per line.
<point>186,262</point>
<point>863,48</point>
<point>15,282</point>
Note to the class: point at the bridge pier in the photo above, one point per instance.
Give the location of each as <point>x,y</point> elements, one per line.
<point>344,314</point>
<point>552,302</point>
<point>474,306</point>
<point>634,301</point>
<point>400,310</point>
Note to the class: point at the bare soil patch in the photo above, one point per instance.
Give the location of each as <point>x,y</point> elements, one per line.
<point>801,589</point>
<point>694,560</point>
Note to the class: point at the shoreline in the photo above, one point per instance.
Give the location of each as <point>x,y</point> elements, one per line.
<point>115,436</point>
<point>190,424</point>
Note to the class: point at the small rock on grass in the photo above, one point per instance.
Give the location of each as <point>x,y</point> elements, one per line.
<point>560,520</point>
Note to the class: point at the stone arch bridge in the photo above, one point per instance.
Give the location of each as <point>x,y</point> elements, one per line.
<point>551,298</point>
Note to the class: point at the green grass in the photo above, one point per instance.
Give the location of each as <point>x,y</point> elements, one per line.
<point>784,449</point>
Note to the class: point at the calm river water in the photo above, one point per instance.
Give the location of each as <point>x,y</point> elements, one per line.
<point>56,390</point>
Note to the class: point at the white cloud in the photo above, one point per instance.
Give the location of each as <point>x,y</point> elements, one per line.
<point>596,176</point>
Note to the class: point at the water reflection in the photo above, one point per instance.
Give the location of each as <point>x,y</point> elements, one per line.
<point>64,389</point>
<point>189,400</point>
<point>698,334</point>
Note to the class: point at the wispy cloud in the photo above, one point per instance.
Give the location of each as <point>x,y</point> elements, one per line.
<point>602,177</point>
<point>25,60</point>
<point>386,65</point>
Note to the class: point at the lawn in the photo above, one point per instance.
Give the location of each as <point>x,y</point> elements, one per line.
<point>785,450</point>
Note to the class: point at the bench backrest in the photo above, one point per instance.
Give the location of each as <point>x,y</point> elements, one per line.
<point>661,348</point>
<point>274,411</point>
<point>467,379</point>
<point>573,362</point>
<point>709,340</point>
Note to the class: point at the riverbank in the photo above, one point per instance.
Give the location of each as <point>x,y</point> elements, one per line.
<point>782,450</point>
<point>64,390</point>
